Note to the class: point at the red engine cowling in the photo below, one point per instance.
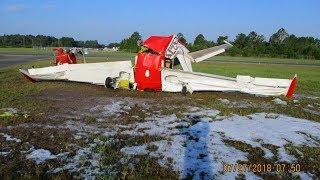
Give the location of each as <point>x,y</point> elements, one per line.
<point>147,72</point>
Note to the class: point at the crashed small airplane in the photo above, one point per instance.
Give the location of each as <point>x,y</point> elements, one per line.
<point>153,70</point>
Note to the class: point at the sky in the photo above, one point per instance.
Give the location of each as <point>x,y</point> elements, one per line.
<point>111,21</point>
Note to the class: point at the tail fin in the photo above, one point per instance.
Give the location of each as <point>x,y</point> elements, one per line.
<point>292,87</point>
<point>26,74</point>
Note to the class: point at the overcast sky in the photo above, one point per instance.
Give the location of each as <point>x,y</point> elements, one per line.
<point>109,21</point>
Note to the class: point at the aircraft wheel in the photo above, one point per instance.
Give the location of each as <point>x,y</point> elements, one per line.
<point>108,82</point>
<point>130,86</point>
<point>184,90</point>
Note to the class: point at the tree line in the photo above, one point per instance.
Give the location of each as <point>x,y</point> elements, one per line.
<point>29,41</point>
<point>281,45</point>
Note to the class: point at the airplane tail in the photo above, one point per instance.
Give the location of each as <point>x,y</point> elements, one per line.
<point>292,87</point>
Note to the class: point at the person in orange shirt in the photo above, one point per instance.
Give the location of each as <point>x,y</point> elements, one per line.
<point>65,57</point>
<point>71,57</point>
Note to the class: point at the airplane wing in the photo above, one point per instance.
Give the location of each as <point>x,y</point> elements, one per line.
<point>209,52</point>
<point>185,58</point>
<point>95,73</point>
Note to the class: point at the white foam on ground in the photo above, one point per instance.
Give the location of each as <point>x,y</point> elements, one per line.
<point>40,155</point>
<point>195,144</point>
<point>112,109</point>
<point>304,96</point>
<point>9,110</point>
<point>204,112</point>
<point>279,101</point>
<point>157,125</point>
<point>4,153</point>
<point>243,104</point>
<point>225,101</point>
<point>83,165</point>
<point>311,111</point>
<point>259,129</point>
<point>199,150</point>
<point>115,108</point>
<point>305,176</point>
<point>137,150</point>
<point>10,138</point>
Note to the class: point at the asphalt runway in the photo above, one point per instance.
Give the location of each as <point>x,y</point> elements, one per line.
<point>11,59</point>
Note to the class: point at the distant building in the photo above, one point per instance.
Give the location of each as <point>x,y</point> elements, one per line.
<point>111,49</point>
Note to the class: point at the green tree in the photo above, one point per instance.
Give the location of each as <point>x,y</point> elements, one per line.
<point>240,41</point>
<point>199,43</point>
<point>279,36</point>
<point>67,42</point>
<point>200,40</point>
<point>221,39</point>
<point>17,40</point>
<point>131,44</point>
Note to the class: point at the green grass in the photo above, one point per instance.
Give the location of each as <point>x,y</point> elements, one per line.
<point>13,86</point>
<point>118,54</point>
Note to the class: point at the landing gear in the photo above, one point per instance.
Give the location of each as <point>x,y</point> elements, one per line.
<point>131,86</point>
<point>184,90</point>
<point>120,82</point>
<point>108,82</point>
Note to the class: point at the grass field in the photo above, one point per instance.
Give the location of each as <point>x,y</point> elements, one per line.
<point>66,117</point>
<point>309,77</point>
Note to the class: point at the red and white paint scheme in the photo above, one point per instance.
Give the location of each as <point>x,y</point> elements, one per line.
<point>154,70</point>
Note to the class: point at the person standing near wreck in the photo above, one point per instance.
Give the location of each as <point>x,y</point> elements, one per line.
<point>63,57</point>
<point>71,57</point>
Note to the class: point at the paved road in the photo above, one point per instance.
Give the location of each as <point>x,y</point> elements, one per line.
<point>11,59</point>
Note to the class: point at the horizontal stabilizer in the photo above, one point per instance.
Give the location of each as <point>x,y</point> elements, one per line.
<point>209,52</point>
